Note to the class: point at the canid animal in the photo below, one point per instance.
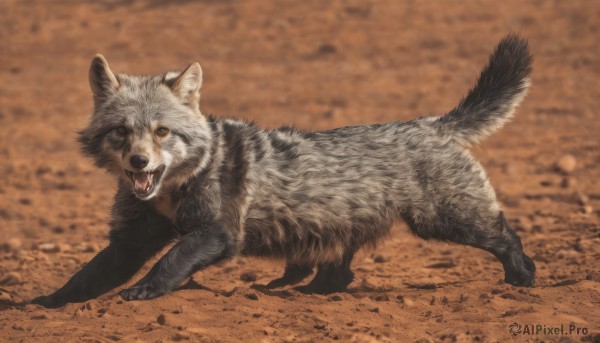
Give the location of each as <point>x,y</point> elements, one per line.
<point>225,187</point>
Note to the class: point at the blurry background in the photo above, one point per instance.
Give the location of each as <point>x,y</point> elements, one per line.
<point>315,65</point>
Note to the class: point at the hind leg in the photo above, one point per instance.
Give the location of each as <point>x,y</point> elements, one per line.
<point>293,274</point>
<point>492,234</point>
<point>331,277</point>
<point>519,269</point>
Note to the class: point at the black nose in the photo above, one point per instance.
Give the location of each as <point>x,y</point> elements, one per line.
<point>138,161</point>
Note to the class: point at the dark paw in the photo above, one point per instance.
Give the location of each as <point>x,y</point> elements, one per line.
<point>48,301</point>
<point>524,276</point>
<point>143,292</point>
<point>293,274</point>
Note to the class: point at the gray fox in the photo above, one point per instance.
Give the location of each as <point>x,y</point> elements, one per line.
<point>224,187</point>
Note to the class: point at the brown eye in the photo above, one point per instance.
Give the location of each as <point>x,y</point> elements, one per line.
<point>162,131</point>
<point>121,131</point>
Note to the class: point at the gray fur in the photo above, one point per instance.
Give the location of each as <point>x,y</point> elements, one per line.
<point>312,198</point>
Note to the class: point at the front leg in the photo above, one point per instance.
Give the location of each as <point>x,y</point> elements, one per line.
<point>110,268</point>
<point>195,251</point>
<point>137,233</point>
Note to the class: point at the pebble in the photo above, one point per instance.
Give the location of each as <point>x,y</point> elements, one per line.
<point>593,276</point>
<point>25,201</point>
<point>582,198</point>
<point>78,314</point>
<point>408,302</point>
<point>180,336</point>
<point>336,297</point>
<point>508,296</point>
<point>321,326</point>
<point>48,248</point>
<point>248,276</point>
<point>5,297</point>
<point>566,164</point>
<point>39,316</point>
<point>91,305</point>
<point>587,209</point>
<point>381,297</point>
<point>11,278</point>
<point>568,182</point>
<point>381,259</point>
<point>400,299</point>
<point>58,229</point>
<point>252,296</point>
<point>161,319</point>
<point>269,331</point>
<point>12,244</point>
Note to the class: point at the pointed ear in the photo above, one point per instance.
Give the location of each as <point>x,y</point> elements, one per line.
<point>102,80</point>
<point>187,85</point>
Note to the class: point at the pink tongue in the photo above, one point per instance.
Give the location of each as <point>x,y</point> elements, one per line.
<point>141,182</point>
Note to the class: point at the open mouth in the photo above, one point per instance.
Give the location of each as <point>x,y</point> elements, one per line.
<point>145,182</point>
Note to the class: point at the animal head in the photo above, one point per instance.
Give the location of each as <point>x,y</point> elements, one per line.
<point>147,130</point>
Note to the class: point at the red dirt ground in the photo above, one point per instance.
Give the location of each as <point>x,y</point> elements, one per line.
<point>316,65</point>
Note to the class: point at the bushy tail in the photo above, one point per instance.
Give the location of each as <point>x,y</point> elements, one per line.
<point>500,88</point>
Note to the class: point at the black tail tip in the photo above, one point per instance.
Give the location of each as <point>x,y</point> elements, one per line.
<point>514,49</point>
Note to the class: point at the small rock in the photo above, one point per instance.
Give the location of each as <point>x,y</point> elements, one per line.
<point>269,331</point>
<point>336,297</point>
<point>587,209</point>
<point>566,164</point>
<point>381,259</point>
<point>508,296</point>
<point>593,276</point>
<point>58,229</point>
<point>106,315</point>
<point>91,305</point>
<point>25,201</point>
<point>248,276</point>
<point>374,310</point>
<point>180,336</point>
<point>582,198</point>
<point>78,313</point>
<point>256,315</point>
<point>177,310</point>
<point>546,183</point>
<point>408,302</point>
<point>321,326</point>
<point>12,245</point>
<point>39,316</point>
<point>18,327</point>
<point>43,169</point>
<point>49,248</point>
<point>381,297</point>
<point>11,278</point>
<point>568,182</point>
<point>252,296</point>
<point>161,319</point>
<point>5,297</point>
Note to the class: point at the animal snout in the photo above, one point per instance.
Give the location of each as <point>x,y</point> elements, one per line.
<point>138,161</point>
